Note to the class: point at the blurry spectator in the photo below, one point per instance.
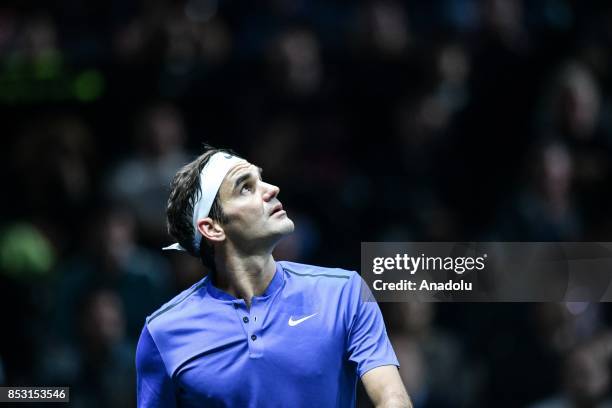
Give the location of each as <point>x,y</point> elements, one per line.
<point>38,42</point>
<point>573,110</point>
<point>55,163</point>
<point>382,29</point>
<point>527,351</point>
<point>195,33</point>
<point>453,65</point>
<point>133,42</point>
<point>573,103</point>
<point>196,38</point>
<point>142,180</point>
<point>561,326</point>
<point>113,258</point>
<point>432,361</point>
<point>99,367</point>
<point>505,19</point>
<point>295,62</point>
<point>544,210</point>
<point>585,377</point>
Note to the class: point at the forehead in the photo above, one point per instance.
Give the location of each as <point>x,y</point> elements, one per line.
<point>235,173</point>
<point>240,169</point>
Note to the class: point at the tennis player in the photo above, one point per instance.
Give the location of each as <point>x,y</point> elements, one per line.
<point>256,332</point>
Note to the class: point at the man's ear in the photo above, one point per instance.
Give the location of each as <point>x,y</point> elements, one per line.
<point>211,230</point>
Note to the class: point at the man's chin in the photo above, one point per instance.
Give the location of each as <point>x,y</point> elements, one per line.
<point>287,227</point>
<point>290,226</point>
<point>280,230</point>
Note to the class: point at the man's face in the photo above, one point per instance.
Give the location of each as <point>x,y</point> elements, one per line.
<point>256,216</point>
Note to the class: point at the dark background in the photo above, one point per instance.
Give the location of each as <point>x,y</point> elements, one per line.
<point>446,120</point>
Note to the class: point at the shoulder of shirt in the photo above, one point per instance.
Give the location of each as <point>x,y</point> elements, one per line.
<point>333,275</point>
<point>177,300</point>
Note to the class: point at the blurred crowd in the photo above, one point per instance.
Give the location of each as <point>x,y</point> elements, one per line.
<point>381,120</point>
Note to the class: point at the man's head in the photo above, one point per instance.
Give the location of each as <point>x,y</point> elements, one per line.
<point>245,212</point>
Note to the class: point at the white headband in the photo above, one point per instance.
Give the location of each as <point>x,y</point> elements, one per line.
<point>211,177</point>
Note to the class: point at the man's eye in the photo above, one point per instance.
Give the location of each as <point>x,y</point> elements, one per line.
<point>246,189</point>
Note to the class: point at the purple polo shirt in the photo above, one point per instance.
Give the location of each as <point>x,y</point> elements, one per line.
<point>303,343</point>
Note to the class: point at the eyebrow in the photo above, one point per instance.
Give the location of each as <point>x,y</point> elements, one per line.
<point>246,176</point>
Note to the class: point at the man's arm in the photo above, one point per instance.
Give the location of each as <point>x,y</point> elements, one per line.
<point>385,388</point>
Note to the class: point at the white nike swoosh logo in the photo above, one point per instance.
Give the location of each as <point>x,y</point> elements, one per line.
<point>298,321</point>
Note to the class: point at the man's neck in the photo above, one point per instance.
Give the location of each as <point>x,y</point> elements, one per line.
<point>245,276</point>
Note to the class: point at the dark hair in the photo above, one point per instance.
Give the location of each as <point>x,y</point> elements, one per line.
<point>179,212</point>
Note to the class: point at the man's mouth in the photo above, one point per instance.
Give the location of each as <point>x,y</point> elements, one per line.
<point>277,208</point>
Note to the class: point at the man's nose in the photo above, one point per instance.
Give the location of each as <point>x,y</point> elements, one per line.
<point>271,191</point>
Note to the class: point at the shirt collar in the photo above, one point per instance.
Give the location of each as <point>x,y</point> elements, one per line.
<point>275,284</point>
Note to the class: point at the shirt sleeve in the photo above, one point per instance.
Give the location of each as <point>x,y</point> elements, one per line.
<point>154,388</point>
<point>368,345</point>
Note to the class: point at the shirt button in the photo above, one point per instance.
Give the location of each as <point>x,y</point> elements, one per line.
<point>245,319</point>
<point>253,337</point>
